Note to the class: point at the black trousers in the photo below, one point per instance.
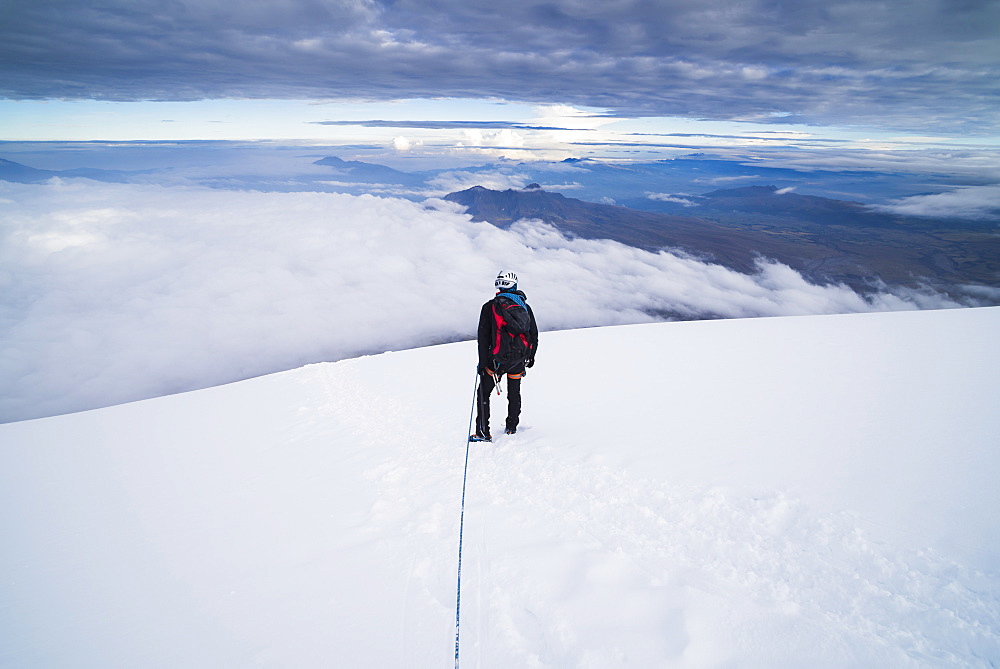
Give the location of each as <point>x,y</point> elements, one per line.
<point>487,382</point>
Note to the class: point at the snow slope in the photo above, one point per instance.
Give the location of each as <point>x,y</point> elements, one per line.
<point>805,491</point>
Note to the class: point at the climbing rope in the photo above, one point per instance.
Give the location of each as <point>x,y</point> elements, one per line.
<point>461,527</point>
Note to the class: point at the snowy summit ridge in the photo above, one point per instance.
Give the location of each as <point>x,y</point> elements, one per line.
<point>810,491</point>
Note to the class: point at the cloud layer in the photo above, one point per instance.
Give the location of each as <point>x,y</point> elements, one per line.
<point>113,293</point>
<point>905,64</point>
<point>971,202</point>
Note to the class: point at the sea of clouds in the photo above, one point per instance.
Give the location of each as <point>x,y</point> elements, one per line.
<point>968,202</point>
<point>113,293</point>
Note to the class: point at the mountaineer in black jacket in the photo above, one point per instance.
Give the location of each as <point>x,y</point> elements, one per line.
<point>508,341</point>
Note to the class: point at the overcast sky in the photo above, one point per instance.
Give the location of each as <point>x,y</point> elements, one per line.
<point>926,68</point>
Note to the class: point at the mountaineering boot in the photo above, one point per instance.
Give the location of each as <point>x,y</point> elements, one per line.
<point>480,437</point>
<point>511,430</point>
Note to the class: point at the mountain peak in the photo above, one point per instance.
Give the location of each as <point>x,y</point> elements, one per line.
<point>16,172</point>
<point>369,172</point>
<point>590,220</point>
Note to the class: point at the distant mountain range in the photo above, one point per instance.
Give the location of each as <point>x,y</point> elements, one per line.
<point>18,173</point>
<point>827,240</point>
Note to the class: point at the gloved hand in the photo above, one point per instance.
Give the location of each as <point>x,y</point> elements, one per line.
<point>530,363</point>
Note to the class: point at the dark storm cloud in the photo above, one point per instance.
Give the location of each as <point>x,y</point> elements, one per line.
<point>908,64</point>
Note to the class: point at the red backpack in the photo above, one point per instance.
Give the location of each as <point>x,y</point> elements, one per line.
<point>511,347</point>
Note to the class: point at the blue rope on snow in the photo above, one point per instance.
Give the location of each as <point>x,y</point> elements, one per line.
<point>461,526</point>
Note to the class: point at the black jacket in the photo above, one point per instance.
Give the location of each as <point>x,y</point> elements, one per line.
<point>487,336</point>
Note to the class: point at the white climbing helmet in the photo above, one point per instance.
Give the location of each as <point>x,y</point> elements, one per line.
<point>506,281</point>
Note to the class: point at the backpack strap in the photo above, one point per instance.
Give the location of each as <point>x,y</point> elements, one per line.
<point>499,322</point>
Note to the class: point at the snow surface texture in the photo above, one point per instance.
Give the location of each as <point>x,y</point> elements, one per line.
<point>114,293</point>
<point>784,492</point>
